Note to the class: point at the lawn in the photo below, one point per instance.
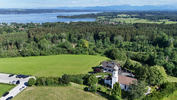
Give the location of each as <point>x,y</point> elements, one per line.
<point>172,97</point>
<point>50,65</point>
<point>171,79</point>
<point>57,93</point>
<point>5,88</point>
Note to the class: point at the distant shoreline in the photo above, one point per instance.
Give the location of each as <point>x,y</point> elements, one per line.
<point>39,11</point>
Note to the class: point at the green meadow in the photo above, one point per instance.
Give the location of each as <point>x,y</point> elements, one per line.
<point>5,88</point>
<point>171,79</point>
<point>172,97</point>
<point>135,20</point>
<point>57,93</point>
<point>50,65</point>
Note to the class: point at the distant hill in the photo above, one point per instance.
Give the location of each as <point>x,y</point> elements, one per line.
<point>126,8</point>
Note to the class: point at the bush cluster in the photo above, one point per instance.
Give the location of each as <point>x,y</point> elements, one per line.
<point>79,78</point>
<point>165,90</point>
<point>53,81</point>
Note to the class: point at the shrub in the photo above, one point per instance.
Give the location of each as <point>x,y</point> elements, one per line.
<point>166,90</point>
<point>97,70</point>
<point>31,81</point>
<point>65,79</point>
<point>92,80</point>
<point>93,88</point>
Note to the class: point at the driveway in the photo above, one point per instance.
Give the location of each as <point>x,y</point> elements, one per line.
<point>4,78</point>
<point>149,91</point>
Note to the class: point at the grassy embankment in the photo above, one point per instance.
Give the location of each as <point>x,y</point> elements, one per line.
<point>5,88</point>
<point>135,20</point>
<point>172,97</point>
<point>50,65</point>
<point>73,92</point>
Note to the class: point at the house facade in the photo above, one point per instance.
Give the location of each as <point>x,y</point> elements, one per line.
<point>109,66</point>
<point>124,81</point>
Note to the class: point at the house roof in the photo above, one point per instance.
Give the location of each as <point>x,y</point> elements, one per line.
<point>123,79</point>
<point>126,80</point>
<point>109,65</point>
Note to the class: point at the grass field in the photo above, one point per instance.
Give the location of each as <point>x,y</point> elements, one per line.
<point>57,93</point>
<point>5,88</point>
<point>50,65</point>
<point>171,79</point>
<point>173,97</point>
<point>137,20</point>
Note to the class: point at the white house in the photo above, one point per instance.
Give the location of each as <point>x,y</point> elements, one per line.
<point>109,66</point>
<point>124,81</point>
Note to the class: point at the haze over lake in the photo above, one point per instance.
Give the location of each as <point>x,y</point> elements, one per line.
<point>42,17</point>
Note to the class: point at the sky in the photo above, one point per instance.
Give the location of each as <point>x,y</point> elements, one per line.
<point>80,3</point>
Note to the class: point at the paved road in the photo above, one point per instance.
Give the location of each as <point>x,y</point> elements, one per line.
<point>149,91</point>
<point>101,75</point>
<point>4,78</point>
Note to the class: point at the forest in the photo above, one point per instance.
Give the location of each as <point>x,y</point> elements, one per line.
<point>149,15</point>
<point>151,44</point>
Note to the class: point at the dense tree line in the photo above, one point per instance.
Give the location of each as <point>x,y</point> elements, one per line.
<point>52,81</point>
<point>153,44</point>
<point>149,15</point>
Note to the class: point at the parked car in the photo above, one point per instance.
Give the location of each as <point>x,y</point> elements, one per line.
<point>11,75</point>
<point>21,76</point>
<point>18,82</point>
<point>9,98</point>
<point>18,76</point>
<point>13,82</point>
<point>5,94</point>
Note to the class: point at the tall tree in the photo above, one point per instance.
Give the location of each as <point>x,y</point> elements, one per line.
<point>116,89</point>
<point>92,80</point>
<point>137,90</point>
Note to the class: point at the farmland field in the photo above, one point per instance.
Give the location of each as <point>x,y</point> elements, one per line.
<point>5,88</point>
<point>57,93</point>
<point>50,65</point>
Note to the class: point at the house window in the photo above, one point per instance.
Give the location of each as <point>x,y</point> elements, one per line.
<point>125,86</point>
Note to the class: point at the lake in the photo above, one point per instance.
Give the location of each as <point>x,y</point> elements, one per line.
<point>42,17</point>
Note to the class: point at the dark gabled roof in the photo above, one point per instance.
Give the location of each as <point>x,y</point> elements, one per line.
<point>109,65</point>
<point>108,78</point>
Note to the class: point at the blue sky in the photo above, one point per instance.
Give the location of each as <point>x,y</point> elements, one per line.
<point>81,3</point>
